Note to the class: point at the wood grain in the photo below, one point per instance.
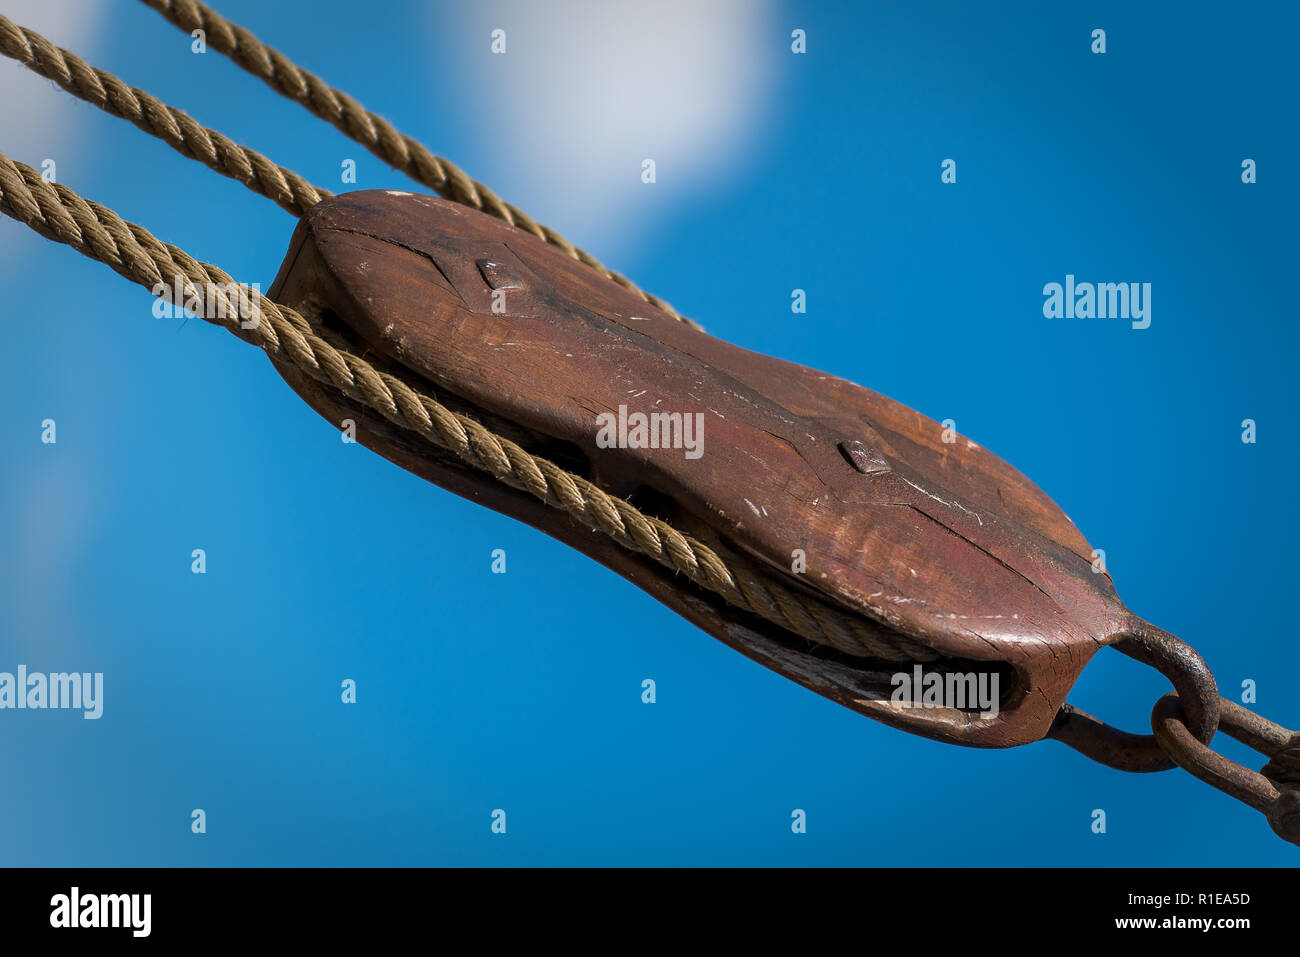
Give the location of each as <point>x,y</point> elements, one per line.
<point>941,541</point>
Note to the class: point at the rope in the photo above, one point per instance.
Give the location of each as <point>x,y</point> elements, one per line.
<point>177,129</point>
<point>58,213</point>
<point>373,132</point>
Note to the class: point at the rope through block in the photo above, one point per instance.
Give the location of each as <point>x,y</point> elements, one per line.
<point>372,131</point>
<point>58,213</point>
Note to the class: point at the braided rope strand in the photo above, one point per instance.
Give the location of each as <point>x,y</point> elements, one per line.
<point>57,212</point>
<point>177,129</point>
<point>371,131</point>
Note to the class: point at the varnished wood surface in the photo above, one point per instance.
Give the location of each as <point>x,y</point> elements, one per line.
<point>940,541</point>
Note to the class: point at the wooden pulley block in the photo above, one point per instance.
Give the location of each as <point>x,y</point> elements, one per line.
<point>841,496</point>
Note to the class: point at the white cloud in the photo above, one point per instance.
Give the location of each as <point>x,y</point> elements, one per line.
<point>49,512</point>
<point>588,89</point>
<point>39,119</point>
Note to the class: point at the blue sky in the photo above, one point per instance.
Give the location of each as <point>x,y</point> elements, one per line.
<point>523,692</point>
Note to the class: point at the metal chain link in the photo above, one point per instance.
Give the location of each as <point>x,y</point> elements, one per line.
<point>1183,725</point>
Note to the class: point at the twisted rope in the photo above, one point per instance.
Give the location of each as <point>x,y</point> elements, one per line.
<point>58,213</point>
<point>373,132</point>
<point>177,129</point>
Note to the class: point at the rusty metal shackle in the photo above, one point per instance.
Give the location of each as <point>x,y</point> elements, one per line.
<point>1142,753</point>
